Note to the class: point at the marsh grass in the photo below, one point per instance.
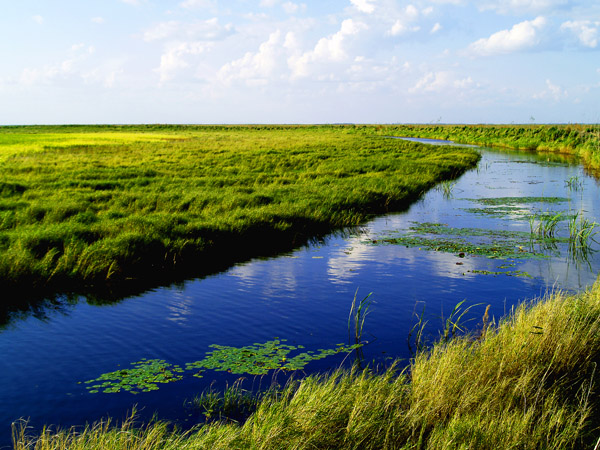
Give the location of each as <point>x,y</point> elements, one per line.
<point>91,206</point>
<point>446,187</point>
<point>582,140</point>
<point>527,382</point>
<point>581,236</point>
<point>234,404</point>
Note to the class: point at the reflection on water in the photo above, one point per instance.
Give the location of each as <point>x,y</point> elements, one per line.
<point>303,296</point>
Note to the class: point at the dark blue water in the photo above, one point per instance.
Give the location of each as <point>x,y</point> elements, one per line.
<point>303,296</point>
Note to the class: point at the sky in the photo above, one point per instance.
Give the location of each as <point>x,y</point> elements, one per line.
<point>288,61</point>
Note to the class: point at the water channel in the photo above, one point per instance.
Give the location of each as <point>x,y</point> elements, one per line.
<point>305,296</point>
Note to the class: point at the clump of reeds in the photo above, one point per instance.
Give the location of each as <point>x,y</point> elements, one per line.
<point>581,235</point>
<point>574,183</point>
<point>526,383</point>
<point>447,188</point>
<point>546,225</point>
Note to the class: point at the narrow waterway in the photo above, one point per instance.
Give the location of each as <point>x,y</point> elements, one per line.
<point>305,296</point>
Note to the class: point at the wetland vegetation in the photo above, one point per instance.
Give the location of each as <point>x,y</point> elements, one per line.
<point>582,140</point>
<point>87,206</point>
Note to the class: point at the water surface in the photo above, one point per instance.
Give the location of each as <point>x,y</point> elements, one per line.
<point>303,296</point>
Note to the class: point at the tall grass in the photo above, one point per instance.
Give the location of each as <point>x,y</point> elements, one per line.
<point>82,206</point>
<point>527,383</point>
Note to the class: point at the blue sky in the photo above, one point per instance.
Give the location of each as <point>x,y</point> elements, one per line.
<point>288,61</point>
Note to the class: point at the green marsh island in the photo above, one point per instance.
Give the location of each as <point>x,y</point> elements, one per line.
<point>116,211</point>
<point>87,206</point>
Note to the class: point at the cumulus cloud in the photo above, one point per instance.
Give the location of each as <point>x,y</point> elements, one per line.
<point>405,23</point>
<point>521,36</point>
<point>435,28</point>
<point>328,49</point>
<point>255,68</point>
<point>586,31</point>
<point>365,6</point>
<point>173,59</point>
<point>38,19</point>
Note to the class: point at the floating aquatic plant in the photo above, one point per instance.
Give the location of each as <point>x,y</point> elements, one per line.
<point>511,201</point>
<point>144,376</point>
<point>259,359</point>
<point>494,244</point>
<point>256,359</point>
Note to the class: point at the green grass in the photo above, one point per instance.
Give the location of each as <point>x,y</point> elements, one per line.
<point>582,140</point>
<point>528,382</point>
<point>84,206</point>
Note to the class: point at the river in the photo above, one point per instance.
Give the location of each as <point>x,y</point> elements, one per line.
<point>305,296</point>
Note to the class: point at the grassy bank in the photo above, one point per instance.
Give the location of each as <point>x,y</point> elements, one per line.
<point>527,383</point>
<point>84,206</point>
<point>579,140</point>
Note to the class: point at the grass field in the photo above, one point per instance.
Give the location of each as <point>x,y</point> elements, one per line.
<point>82,206</point>
<point>527,383</point>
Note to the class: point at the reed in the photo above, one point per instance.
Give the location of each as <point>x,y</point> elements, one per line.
<point>357,316</point>
<point>581,235</point>
<point>574,183</point>
<point>447,188</point>
<point>546,225</point>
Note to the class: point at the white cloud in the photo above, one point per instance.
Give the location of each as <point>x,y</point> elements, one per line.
<point>78,66</point>
<point>436,27</point>
<point>133,2</point>
<point>38,19</point>
<point>521,36</point>
<point>585,30</point>
<point>293,8</point>
<point>441,81</point>
<point>255,68</point>
<point>206,30</point>
<point>198,4</point>
<point>98,20</point>
<point>173,59</point>
<point>521,6</point>
<point>552,91</point>
<point>268,3</point>
<point>365,6</point>
<point>328,49</point>
<point>404,23</point>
